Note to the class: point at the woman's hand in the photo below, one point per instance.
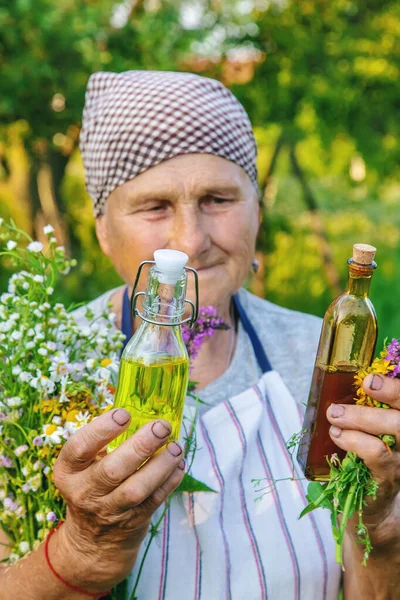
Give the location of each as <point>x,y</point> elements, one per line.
<point>110,502</point>
<point>355,429</point>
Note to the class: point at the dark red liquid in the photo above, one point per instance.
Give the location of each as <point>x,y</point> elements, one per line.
<point>326,389</point>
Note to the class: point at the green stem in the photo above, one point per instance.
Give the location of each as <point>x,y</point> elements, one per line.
<point>152,536</point>
<point>343,524</point>
<point>20,428</point>
<point>31,523</point>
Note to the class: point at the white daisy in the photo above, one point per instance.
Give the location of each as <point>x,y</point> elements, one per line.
<point>82,418</point>
<point>53,434</point>
<point>24,547</point>
<point>35,246</point>
<point>14,401</point>
<point>21,449</point>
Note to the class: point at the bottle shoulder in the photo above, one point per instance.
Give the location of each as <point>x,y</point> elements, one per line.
<point>156,341</point>
<point>347,305</point>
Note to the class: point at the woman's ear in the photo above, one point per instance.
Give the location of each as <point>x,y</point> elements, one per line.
<point>102,234</point>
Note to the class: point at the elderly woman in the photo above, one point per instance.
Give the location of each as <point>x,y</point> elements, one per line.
<point>170,163</point>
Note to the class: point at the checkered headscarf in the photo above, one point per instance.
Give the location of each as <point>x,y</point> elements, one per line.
<point>137,119</point>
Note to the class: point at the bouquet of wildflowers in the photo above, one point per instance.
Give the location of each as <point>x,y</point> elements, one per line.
<point>54,378</point>
<point>350,482</point>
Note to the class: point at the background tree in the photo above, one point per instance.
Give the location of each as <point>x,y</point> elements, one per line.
<point>320,82</point>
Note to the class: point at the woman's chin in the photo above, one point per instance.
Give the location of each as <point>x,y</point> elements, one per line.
<point>214,287</point>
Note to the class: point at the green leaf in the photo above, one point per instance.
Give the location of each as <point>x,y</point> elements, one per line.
<point>190,484</point>
<point>309,508</point>
<point>315,490</point>
<point>317,493</point>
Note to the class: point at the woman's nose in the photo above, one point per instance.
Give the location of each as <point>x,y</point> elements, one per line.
<point>189,234</point>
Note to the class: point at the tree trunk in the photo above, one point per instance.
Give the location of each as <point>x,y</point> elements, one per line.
<point>258,280</point>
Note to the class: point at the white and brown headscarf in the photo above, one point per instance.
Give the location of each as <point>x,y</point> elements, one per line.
<point>135,120</point>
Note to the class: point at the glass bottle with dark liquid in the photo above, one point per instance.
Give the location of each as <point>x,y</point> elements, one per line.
<point>347,344</point>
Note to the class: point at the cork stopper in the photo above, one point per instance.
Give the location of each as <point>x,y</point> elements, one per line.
<point>363,254</point>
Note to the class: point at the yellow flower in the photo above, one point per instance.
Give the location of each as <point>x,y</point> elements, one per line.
<point>105,362</point>
<point>45,406</point>
<point>71,415</point>
<point>379,365</point>
<point>50,405</point>
<point>44,452</point>
<point>50,429</point>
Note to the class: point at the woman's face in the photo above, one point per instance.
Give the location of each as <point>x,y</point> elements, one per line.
<point>200,204</point>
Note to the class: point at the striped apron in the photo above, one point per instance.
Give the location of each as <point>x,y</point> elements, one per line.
<point>229,545</point>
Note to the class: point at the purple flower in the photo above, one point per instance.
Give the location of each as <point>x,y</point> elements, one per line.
<point>37,441</point>
<point>395,373</point>
<point>393,351</point>
<point>5,461</point>
<point>51,516</point>
<point>206,325</point>
<point>393,355</point>
<point>9,504</point>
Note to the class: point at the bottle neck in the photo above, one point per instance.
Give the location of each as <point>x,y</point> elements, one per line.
<point>164,303</point>
<point>359,280</point>
<point>162,315</point>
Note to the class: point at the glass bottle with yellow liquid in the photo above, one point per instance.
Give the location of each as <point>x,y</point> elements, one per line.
<point>347,344</point>
<point>154,369</point>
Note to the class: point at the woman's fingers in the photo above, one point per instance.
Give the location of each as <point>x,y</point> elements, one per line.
<point>165,490</point>
<point>148,480</point>
<point>82,447</point>
<point>375,421</point>
<point>367,447</point>
<point>122,462</point>
<point>384,389</point>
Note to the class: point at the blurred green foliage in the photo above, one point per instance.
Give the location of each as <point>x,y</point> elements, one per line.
<point>320,81</point>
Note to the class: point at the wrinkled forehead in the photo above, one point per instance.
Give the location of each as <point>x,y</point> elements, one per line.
<point>189,176</point>
<point>136,120</point>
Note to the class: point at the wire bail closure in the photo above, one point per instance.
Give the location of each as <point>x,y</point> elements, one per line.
<point>194,307</point>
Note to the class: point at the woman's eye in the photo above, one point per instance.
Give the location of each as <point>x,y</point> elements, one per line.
<point>216,201</point>
<point>157,206</point>
<point>155,209</point>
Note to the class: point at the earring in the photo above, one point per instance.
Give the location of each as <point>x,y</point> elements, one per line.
<point>255,265</point>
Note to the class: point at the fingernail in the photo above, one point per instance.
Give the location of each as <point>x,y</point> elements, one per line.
<point>160,430</point>
<point>336,410</point>
<point>182,464</point>
<point>335,431</point>
<point>174,449</point>
<point>121,416</point>
<point>376,382</point>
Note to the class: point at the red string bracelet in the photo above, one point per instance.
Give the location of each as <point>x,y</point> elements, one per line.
<point>52,569</point>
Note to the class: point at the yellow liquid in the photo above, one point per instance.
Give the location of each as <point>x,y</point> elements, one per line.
<point>148,392</point>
